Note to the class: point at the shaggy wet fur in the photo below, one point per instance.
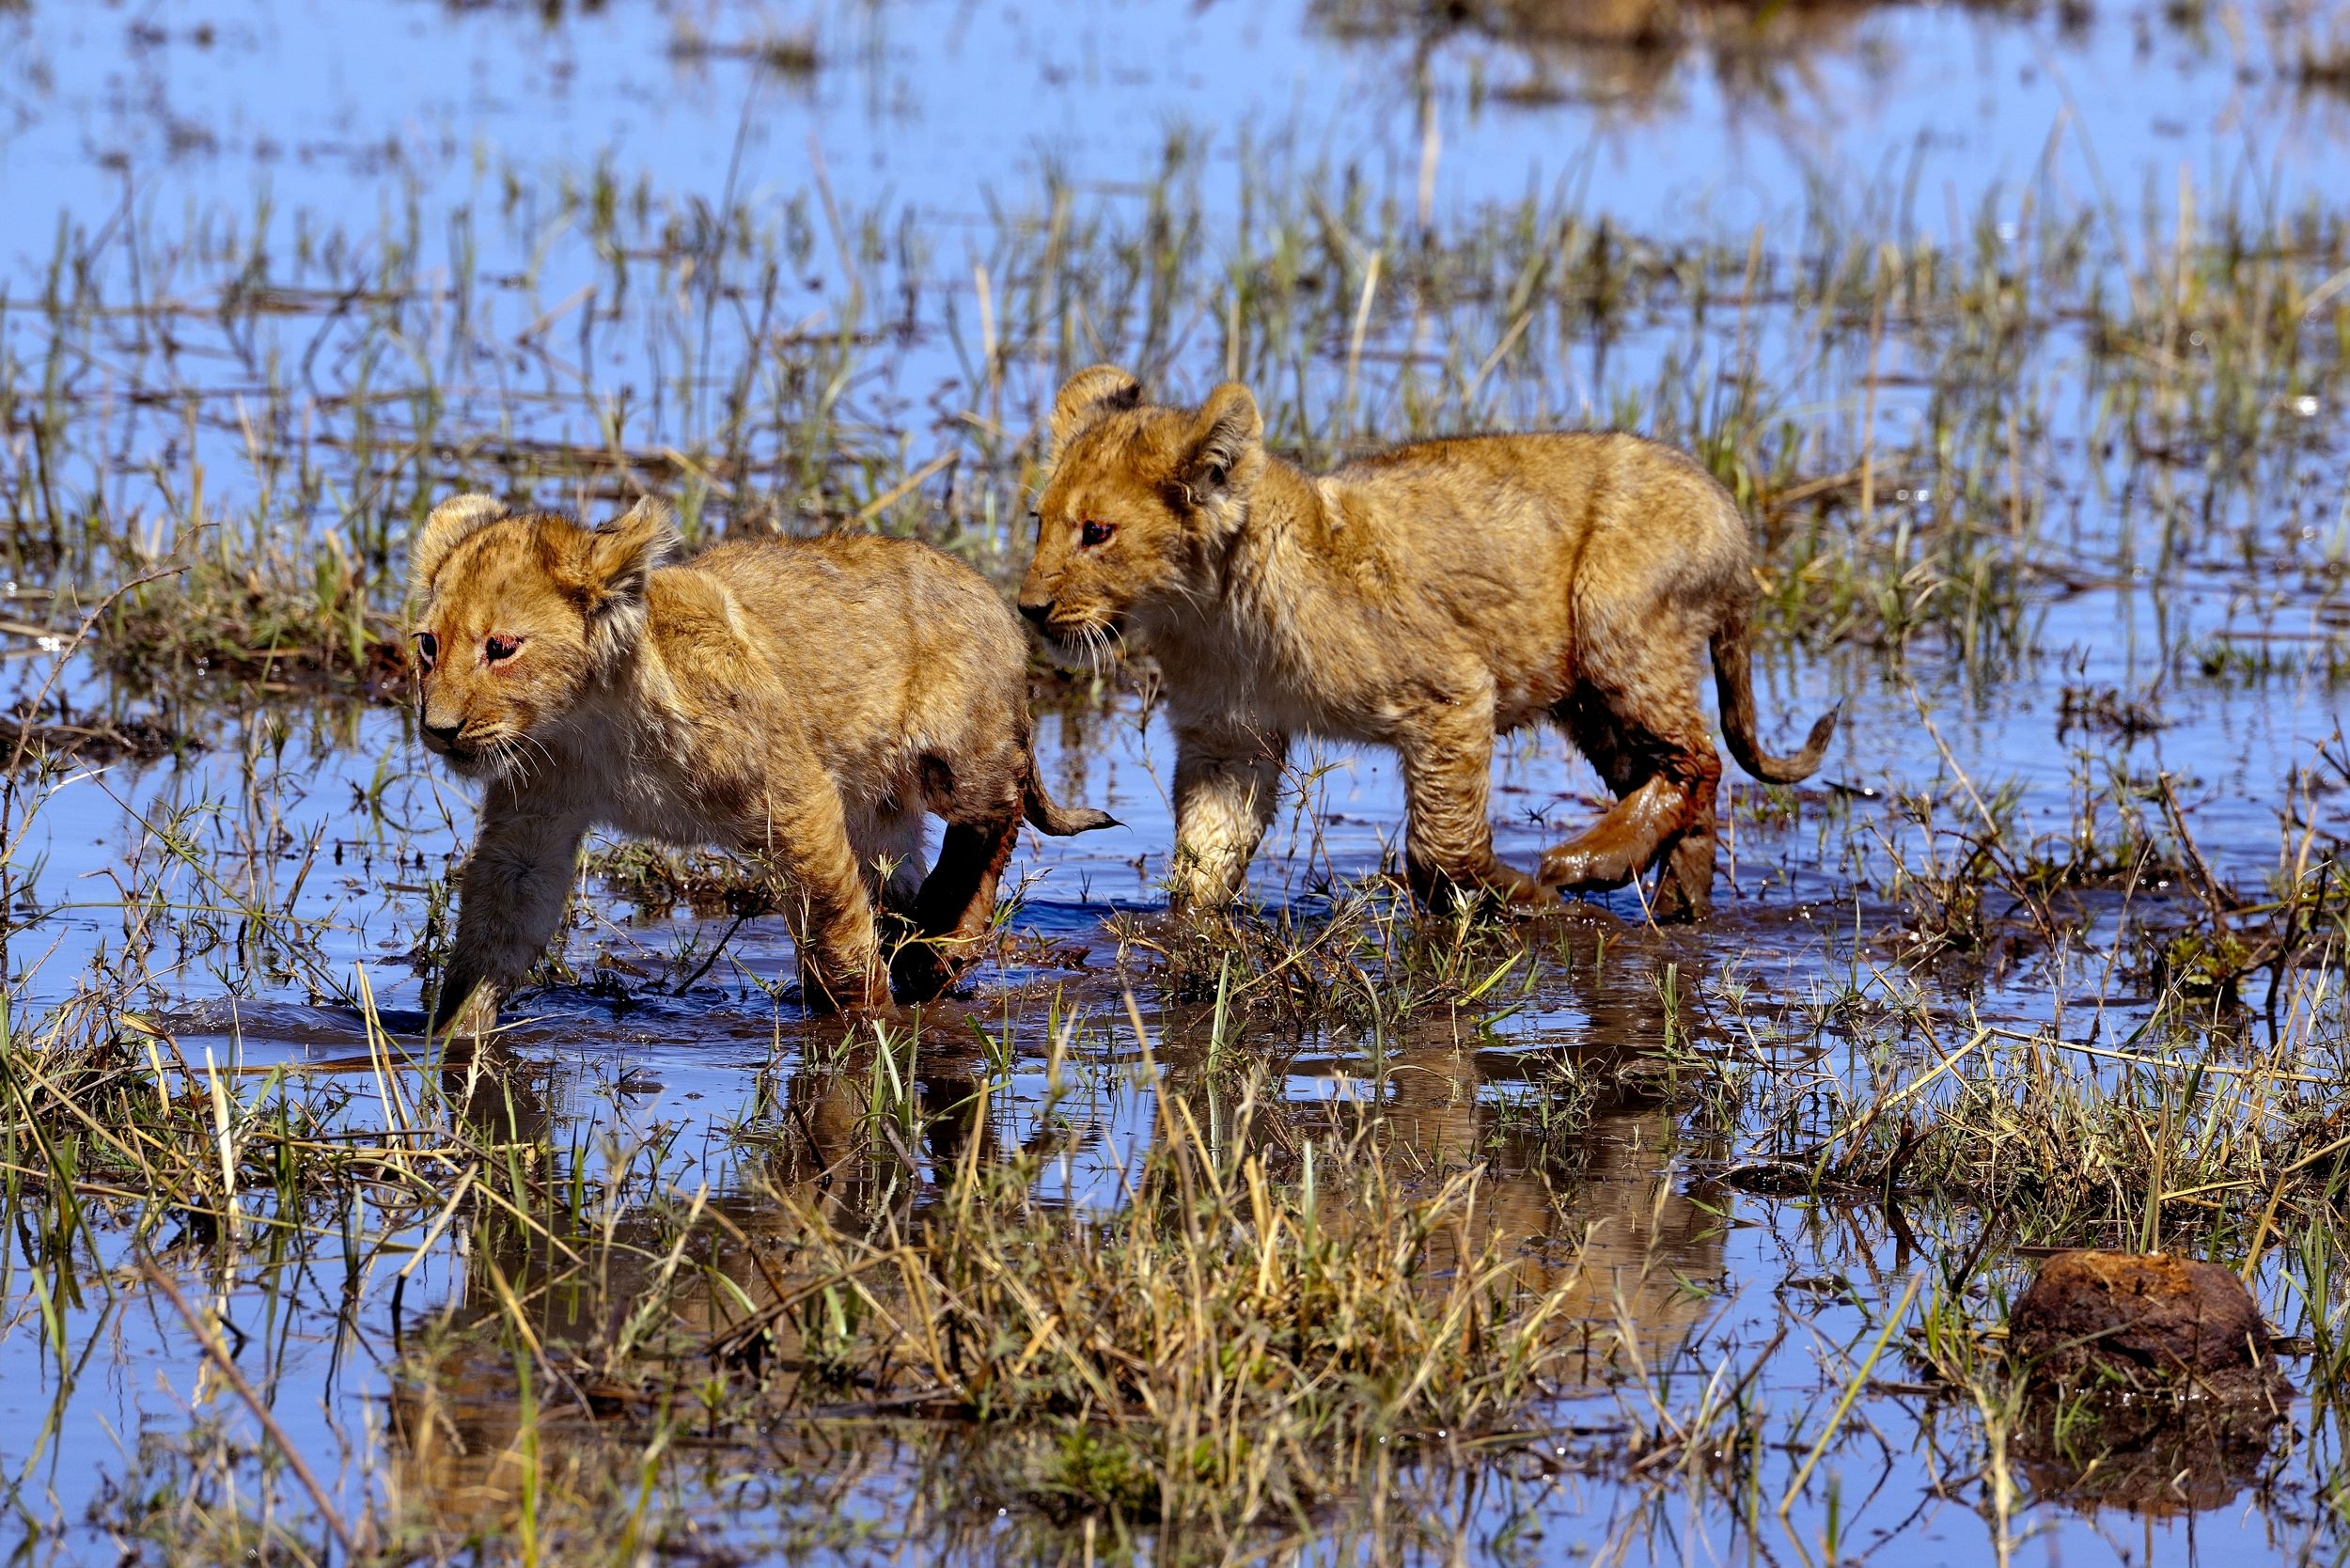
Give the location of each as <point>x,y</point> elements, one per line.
<point>802,702</point>
<point>1428,598</point>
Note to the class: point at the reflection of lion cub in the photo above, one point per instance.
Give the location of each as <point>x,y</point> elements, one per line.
<point>799,701</point>
<point>1427,598</point>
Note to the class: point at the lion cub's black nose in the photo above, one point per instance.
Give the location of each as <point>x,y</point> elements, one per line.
<point>444,733</point>
<point>1038,614</point>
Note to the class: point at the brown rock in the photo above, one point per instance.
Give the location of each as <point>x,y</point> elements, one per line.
<point>2153,1319</point>
<point>2185,1394</point>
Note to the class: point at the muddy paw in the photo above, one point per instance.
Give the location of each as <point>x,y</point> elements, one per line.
<point>1674,904</point>
<point>819,994</point>
<point>1573,870</point>
<point>1526,894</point>
<point>478,1015</point>
<point>921,972</point>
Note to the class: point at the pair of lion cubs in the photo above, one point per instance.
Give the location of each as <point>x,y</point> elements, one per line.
<point>807,701</point>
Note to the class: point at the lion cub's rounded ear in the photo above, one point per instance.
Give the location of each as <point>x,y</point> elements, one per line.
<point>1086,399</point>
<point>1224,448</point>
<point>450,523</point>
<point>623,552</point>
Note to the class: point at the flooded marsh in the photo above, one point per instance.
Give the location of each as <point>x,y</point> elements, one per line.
<point>1337,1230</point>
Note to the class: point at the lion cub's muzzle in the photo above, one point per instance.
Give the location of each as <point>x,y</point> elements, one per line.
<point>448,740</point>
<point>1067,637</point>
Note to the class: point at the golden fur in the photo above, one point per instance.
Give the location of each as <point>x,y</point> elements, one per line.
<point>1427,598</point>
<point>800,701</point>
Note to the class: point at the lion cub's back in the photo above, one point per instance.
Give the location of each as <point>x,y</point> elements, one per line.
<point>876,609</point>
<point>1542,516</point>
<point>1550,482</point>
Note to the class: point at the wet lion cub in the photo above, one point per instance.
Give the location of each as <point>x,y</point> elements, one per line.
<point>1428,598</point>
<point>802,702</point>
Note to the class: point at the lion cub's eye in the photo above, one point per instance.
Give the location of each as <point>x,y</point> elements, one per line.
<point>495,649</point>
<point>428,649</point>
<point>1090,533</point>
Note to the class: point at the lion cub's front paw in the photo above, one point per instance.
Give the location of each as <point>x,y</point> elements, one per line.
<point>478,1015</point>
<point>923,970</point>
<point>866,994</point>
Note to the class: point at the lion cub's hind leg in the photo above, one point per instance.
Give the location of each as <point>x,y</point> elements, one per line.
<point>892,852</point>
<point>1665,779</point>
<point>980,801</point>
<point>956,908</point>
<point>889,851</point>
<point>1685,888</point>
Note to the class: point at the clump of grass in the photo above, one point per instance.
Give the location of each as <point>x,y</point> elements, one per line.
<point>31,736</point>
<point>2322,63</point>
<point>2091,1145</point>
<point>657,880</point>
<point>2195,1125</point>
<point>792,55</point>
<point>247,621</point>
<point>1346,955</point>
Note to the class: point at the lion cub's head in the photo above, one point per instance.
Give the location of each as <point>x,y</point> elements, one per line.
<point>1139,503</point>
<point>514,615</point>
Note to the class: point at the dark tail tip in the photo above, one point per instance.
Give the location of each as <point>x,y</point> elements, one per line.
<point>1061,821</point>
<point>1053,819</point>
<point>1787,770</point>
<point>1807,761</point>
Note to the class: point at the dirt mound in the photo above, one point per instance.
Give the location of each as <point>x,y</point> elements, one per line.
<point>2151,1319</point>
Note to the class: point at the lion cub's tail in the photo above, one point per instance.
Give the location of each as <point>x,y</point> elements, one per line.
<point>1057,821</point>
<point>1733,681</point>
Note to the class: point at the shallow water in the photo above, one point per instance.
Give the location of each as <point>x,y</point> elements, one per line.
<point>151,135</point>
<point>1704,1271</point>
<point>1712,125</point>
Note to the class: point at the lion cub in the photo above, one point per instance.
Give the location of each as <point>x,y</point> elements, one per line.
<point>801,701</point>
<point>1428,598</point>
